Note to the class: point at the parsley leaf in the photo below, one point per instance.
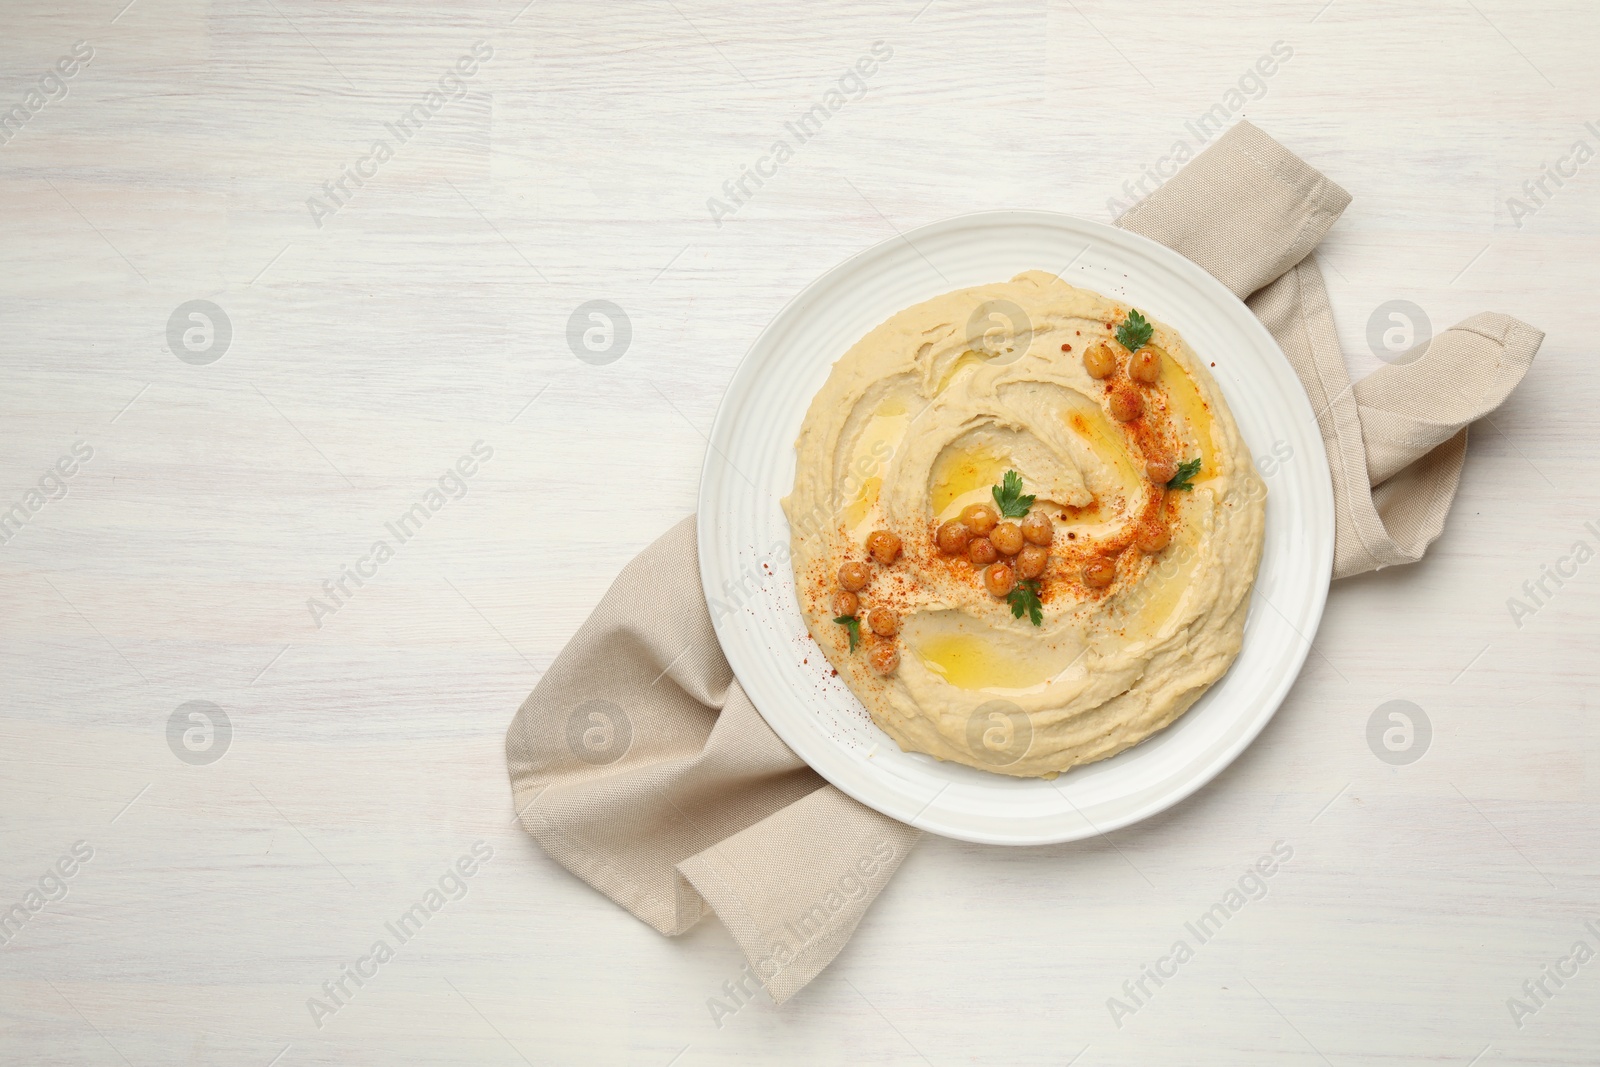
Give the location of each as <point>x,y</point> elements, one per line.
<point>853,625</point>
<point>1185,476</point>
<point>1009,498</point>
<point>1134,333</point>
<point>1025,598</point>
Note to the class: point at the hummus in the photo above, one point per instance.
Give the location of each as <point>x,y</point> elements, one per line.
<point>1141,600</point>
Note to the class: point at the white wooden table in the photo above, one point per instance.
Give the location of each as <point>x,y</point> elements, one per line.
<point>378,334</point>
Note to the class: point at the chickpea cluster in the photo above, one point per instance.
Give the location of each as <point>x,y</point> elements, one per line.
<point>1127,404</point>
<point>978,534</point>
<point>883,548</point>
<point>1144,366</point>
<point>1011,552</point>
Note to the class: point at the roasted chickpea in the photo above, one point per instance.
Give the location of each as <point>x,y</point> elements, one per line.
<point>854,576</point>
<point>999,579</point>
<point>1031,562</point>
<point>1160,470</point>
<point>1145,366</point>
<point>1126,405</point>
<point>981,552</point>
<point>1099,573</point>
<point>1099,361</point>
<point>883,622</point>
<point>884,546</point>
<point>1007,538</point>
<point>953,538</point>
<point>884,657</point>
<point>1153,538</point>
<point>845,603</point>
<point>1038,528</point>
<point>980,518</point>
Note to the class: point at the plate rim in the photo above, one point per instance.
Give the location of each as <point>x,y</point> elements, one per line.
<point>1204,280</point>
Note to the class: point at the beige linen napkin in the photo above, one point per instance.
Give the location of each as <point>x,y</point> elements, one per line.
<point>1250,212</point>
<point>639,764</point>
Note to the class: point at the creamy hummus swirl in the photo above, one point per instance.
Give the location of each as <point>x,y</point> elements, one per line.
<point>921,418</point>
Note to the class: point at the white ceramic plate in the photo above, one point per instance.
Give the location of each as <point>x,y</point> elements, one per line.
<point>743,535</point>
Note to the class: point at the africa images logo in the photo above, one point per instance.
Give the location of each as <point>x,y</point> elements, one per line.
<point>851,85</point>
<point>450,87</point>
<point>452,885</point>
<point>52,87</point>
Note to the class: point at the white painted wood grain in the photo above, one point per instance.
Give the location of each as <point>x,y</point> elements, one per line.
<point>425,315</point>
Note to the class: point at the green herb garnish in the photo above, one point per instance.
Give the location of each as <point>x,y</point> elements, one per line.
<point>1008,496</point>
<point>853,625</point>
<point>1025,598</point>
<point>1185,476</point>
<point>1134,333</point>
